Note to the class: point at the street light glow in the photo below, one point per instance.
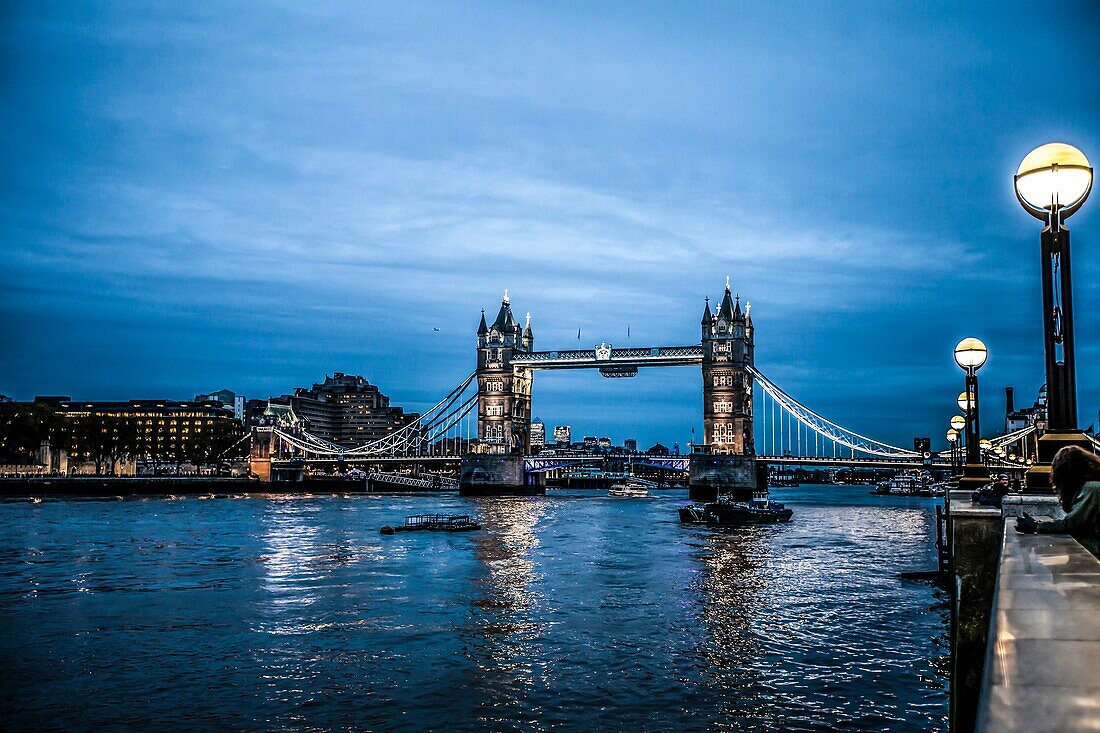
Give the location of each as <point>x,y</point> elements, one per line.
<point>1053,177</point>
<point>958,422</point>
<point>971,353</point>
<point>966,401</point>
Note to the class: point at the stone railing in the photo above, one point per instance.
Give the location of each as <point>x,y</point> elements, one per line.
<point>1044,634</point>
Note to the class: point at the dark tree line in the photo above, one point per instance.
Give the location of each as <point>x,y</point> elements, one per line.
<point>107,440</point>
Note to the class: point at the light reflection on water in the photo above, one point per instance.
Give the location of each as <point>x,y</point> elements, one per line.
<point>567,612</point>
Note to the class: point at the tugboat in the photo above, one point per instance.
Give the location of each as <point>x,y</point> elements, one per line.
<point>729,512</point>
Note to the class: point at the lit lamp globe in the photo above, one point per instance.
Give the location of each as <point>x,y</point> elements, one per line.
<point>970,354</point>
<point>952,436</point>
<point>958,422</point>
<point>966,400</point>
<point>984,444</point>
<point>1012,456</point>
<point>999,452</point>
<point>1055,178</point>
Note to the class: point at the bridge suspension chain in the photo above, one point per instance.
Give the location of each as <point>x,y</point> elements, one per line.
<point>804,417</point>
<point>1016,435</point>
<point>429,427</point>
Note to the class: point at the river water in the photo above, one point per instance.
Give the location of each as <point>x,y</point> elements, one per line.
<point>574,611</point>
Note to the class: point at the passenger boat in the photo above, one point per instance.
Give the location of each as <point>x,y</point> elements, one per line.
<point>628,489</point>
<point>910,483</point>
<point>728,513</point>
<point>434,523</point>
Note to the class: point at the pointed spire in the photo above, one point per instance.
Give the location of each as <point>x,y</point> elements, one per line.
<point>527,333</point>
<point>725,312</point>
<point>482,329</point>
<point>706,313</point>
<point>737,305</point>
<point>504,322</point>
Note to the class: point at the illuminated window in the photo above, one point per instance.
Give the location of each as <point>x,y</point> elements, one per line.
<point>723,432</point>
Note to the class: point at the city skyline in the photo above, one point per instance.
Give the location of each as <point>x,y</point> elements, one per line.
<point>223,197</point>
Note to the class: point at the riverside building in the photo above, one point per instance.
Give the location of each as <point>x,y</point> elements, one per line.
<point>345,409</point>
<point>123,431</point>
<point>538,434</point>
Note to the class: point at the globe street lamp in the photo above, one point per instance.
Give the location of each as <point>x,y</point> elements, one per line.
<point>953,439</point>
<point>971,355</point>
<point>958,425</point>
<point>1051,184</point>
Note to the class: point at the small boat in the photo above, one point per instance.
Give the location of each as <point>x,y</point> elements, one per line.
<point>728,513</point>
<point>693,514</point>
<point>628,489</point>
<point>434,523</point>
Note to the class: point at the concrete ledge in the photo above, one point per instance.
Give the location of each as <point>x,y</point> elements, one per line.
<point>1037,505</point>
<point>1040,672</point>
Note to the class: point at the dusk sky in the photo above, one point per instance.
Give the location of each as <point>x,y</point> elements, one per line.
<point>252,195</point>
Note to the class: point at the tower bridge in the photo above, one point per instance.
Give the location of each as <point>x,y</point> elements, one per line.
<point>507,360</point>
<point>748,420</point>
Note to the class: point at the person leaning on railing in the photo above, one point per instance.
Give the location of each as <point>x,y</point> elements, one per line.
<point>1075,475</point>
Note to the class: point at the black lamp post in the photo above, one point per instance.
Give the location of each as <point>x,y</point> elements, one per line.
<point>1051,184</point>
<point>958,426</point>
<point>970,355</point>
<point>953,440</point>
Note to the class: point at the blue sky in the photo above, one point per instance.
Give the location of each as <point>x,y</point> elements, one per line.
<point>244,195</point>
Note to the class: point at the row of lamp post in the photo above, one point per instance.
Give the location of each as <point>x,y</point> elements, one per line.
<point>1051,184</point>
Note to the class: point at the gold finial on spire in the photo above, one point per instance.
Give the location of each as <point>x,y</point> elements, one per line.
<point>505,299</point>
<point>727,283</point>
<point>528,319</point>
<point>748,306</point>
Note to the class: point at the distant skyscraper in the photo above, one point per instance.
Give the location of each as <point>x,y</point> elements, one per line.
<point>631,445</point>
<point>228,398</point>
<point>538,433</point>
<point>563,435</point>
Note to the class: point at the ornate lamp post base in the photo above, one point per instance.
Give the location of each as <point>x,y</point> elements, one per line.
<point>1037,478</point>
<point>975,476</point>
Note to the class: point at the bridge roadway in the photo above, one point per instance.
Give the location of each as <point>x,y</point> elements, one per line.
<point>540,462</point>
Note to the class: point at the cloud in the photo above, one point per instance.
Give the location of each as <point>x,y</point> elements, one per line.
<point>222,195</point>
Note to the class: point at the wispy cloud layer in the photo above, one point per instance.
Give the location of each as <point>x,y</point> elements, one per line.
<point>224,195</point>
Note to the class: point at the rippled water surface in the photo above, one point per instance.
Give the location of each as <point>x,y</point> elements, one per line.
<point>574,611</point>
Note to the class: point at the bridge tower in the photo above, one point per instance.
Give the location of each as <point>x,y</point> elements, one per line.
<point>503,408</point>
<point>725,462</point>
